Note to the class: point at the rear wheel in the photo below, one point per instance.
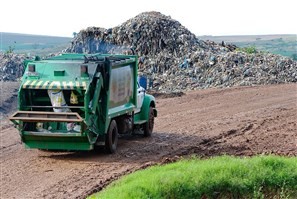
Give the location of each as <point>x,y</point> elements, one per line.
<point>149,125</point>
<point>111,140</point>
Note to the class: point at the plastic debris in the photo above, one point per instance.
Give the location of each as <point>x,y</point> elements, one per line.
<point>58,101</point>
<point>174,59</point>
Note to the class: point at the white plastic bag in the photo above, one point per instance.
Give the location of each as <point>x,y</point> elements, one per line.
<point>57,99</point>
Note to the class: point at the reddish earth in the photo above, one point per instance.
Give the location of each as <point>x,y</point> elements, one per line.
<point>237,121</point>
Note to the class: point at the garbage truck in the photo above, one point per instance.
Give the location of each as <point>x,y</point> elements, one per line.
<point>81,101</point>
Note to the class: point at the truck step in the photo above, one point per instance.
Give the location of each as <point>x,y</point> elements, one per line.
<point>139,122</point>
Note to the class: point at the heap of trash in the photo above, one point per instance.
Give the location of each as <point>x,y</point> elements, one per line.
<point>174,59</point>
<point>11,66</point>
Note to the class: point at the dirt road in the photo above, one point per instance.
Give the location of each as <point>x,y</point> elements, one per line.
<point>237,121</point>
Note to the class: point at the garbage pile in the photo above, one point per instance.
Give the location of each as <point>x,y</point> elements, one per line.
<point>226,70</point>
<point>175,60</point>
<point>152,36</point>
<point>11,66</point>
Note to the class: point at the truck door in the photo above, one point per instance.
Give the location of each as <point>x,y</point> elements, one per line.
<point>140,97</point>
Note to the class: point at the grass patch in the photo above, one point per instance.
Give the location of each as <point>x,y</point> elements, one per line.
<point>219,177</point>
<point>277,44</point>
<point>248,49</point>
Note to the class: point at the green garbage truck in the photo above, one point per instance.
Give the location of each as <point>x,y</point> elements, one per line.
<point>81,101</point>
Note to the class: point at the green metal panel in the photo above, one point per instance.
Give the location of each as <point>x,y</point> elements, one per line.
<point>114,110</point>
<point>121,110</point>
<point>65,142</point>
<point>84,146</point>
<point>48,75</point>
<point>147,102</point>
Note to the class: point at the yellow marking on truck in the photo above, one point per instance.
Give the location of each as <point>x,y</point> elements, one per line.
<point>84,85</point>
<point>51,85</point>
<point>58,84</point>
<point>70,84</point>
<point>26,83</point>
<point>55,84</point>
<point>45,84</point>
<point>32,84</point>
<point>77,84</point>
<point>38,85</point>
<point>64,84</point>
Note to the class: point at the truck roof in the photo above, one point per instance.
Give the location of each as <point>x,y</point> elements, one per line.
<point>113,59</point>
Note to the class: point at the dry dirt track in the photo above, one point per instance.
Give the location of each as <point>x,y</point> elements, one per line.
<point>237,121</point>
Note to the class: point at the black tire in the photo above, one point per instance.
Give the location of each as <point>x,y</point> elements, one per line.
<point>111,140</point>
<point>149,125</point>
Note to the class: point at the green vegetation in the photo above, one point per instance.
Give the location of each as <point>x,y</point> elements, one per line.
<point>33,44</point>
<point>9,50</point>
<point>294,56</point>
<point>285,47</point>
<point>219,177</point>
<point>248,50</point>
<point>277,44</point>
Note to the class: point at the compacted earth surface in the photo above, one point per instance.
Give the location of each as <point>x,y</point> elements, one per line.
<point>241,121</point>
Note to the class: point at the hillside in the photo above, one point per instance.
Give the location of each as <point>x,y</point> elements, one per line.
<point>278,44</point>
<point>33,44</point>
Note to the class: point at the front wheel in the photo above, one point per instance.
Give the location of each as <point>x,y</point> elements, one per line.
<point>111,140</point>
<point>149,125</point>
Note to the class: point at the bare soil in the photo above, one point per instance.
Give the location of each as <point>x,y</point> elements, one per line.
<point>241,121</point>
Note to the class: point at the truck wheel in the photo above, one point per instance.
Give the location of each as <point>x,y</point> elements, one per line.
<point>111,140</point>
<point>149,125</point>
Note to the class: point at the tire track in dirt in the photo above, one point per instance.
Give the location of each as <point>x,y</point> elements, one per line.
<point>96,179</point>
<point>252,138</point>
<point>236,121</point>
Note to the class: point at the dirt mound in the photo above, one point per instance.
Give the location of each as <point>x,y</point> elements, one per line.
<point>175,60</point>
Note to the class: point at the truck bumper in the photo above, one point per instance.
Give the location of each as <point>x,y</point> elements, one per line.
<point>52,140</point>
<point>56,141</point>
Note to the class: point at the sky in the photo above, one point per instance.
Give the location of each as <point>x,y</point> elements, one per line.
<point>201,17</point>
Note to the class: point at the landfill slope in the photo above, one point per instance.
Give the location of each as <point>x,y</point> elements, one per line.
<point>175,60</point>
<point>240,121</point>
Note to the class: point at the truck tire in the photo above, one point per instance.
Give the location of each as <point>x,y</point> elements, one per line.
<point>149,125</point>
<point>111,140</point>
